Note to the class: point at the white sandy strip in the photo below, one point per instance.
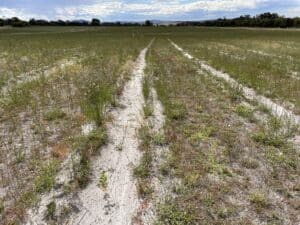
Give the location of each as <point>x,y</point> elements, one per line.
<point>118,203</point>
<point>276,109</point>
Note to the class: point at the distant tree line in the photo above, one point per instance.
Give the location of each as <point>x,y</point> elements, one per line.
<point>16,22</point>
<point>263,20</point>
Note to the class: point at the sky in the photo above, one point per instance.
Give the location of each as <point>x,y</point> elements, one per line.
<point>139,10</point>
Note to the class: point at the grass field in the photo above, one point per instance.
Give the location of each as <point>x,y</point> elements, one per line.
<point>214,157</point>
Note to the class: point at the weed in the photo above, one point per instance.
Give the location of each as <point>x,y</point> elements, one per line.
<point>177,111</point>
<point>97,97</point>
<point>20,156</point>
<point>143,169</point>
<point>54,114</point>
<point>145,189</point>
<point>82,171</point>
<point>203,135</point>
<point>45,179</point>
<point>159,139</point>
<point>51,208</point>
<point>148,110</point>
<point>269,139</point>
<point>244,111</point>
<point>236,94</point>
<point>275,124</point>
<point>103,180</point>
<point>250,163</point>
<point>1,206</point>
<point>259,200</point>
<point>171,214</point>
<point>146,88</point>
<point>225,212</point>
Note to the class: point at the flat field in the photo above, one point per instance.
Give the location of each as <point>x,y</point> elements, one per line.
<point>149,125</point>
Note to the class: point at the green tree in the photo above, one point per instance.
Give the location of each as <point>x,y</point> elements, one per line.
<point>95,22</point>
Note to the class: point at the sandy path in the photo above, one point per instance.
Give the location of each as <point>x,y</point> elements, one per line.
<point>249,93</point>
<point>117,203</point>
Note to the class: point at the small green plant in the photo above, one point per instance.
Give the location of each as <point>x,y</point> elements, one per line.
<point>143,169</point>
<point>54,114</point>
<point>269,139</point>
<point>171,214</point>
<point>275,124</point>
<point>82,171</point>
<point>145,189</point>
<point>51,208</point>
<point>159,139</point>
<point>96,139</point>
<point>176,111</point>
<point>45,179</point>
<point>250,163</point>
<point>98,95</point>
<point>236,94</point>
<point>148,110</point>
<point>1,206</point>
<point>244,111</point>
<point>259,200</point>
<point>146,88</point>
<point>103,180</point>
<point>208,200</point>
<point>20,156</point>
<point>225,212</point>
<point>204,134</point>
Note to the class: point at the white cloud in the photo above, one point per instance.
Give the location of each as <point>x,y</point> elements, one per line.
<point>155,7</point>
<point>11,12</point>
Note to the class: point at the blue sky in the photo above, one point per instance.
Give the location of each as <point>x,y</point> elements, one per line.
<point>136,10</point>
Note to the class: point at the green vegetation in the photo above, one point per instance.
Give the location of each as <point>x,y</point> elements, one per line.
<point>244,111</point>
<point>219,158</point>
<point>45,180</point>
<point>259,200</point>
<point>103,180</point>
<point>171,214</point>
<point>267,61</point>
<point>51,208</point>
<point>54,114</point>
<point>56,81</point>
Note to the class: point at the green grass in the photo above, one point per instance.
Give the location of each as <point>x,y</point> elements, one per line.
<point>216,155</point>
<point>51,208</point>
<point>45,180</point>
<point>237,52</point>
<point>54,114</point>
<point>171,214</point>
<point>211,148</point>
<point>69,97</point>
<point>259,200</point>
<point>103,180</point>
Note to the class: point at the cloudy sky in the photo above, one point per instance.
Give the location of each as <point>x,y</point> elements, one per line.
<point>135,10</point>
